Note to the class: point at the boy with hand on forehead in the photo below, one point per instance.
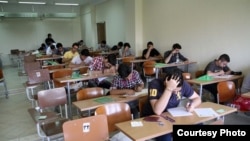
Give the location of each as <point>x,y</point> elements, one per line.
<point>167,93</point>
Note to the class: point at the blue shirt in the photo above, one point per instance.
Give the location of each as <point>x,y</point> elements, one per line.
<point>155,91</point>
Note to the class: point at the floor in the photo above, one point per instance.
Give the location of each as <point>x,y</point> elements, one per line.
<point>17,125</point>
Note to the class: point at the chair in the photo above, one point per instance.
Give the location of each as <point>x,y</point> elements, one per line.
<point>51,126</point>
<point>116,112</point>
<point>93,128</point>
<point>59,74</point>
<point>89,93</point>
<point>29,58</point>
<point>149,70</point>
<point>142,101</point>
<point>226,91</point>
<point>2,82</point>
<point>199,73</point>
<point>35,79</point>
<point>28,66</point>
<point>127,60</point>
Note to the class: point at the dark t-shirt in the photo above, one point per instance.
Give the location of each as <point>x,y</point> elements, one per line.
<point>214,68</point>
<point>155,91</point>
<point>153,53</point>
<point>173,57</point>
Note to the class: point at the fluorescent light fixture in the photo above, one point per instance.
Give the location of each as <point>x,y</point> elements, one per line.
<point>26,2</point>
<point>3,1</point>
<point>73,4</point>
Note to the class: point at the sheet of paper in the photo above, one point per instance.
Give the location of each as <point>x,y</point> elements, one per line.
<point>223,76</point>
<point>205,112</point>
<point>179,111</point>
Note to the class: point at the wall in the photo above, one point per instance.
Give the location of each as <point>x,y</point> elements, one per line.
<point>28,34</point>
<point>204,28</point>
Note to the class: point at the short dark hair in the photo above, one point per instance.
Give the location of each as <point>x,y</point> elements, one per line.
<point>49,34</point>
<point>103,42</point>
<point>52,47</point>
<point>126,45</point>
<point>75,44</point>
<point>150,43</point>
<point>224,57</point>
<point>124,70</point>
<point>112,59</point>
<point>120,44</point>
<point>175,73</point>
<point>176,46</point>
<point>114,48</point>
<point>85,52</point>
<point>58,45</point>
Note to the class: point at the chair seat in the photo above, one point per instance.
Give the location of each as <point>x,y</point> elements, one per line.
<point>53,127</point>
<point>28,85</point>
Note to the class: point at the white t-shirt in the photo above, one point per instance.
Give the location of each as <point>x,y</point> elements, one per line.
<point>78,60</point>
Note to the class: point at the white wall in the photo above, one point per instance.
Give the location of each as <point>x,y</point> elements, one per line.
<point>204,28</point>
<point>28,34</point>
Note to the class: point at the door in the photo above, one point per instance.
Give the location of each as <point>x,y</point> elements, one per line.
<point>101,32</point>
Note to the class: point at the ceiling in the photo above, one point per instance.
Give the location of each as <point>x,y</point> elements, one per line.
<point>13,9</point>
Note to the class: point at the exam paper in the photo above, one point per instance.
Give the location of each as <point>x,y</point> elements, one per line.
<point>223,76</point>
<point>205,112</point>
<point>179,111</point>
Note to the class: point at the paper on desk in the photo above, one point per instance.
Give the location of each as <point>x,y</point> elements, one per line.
<point>223,76</point>
<point>136,123</point>
<point>144,91</point>
<point>179,111</point>
<point>205,112</point>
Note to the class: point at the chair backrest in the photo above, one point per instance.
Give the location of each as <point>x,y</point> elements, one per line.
<point>59,74</point>
<point>186,75</point>
<point>1,74</point>
<point>52,97</point>
<point>28,66</point>
<point>38,76</point>
<point>88,93</point>
<point>83,70</point>
<point>93,128</point>
<point>142,102</point>
<point>226,91</point>
<point>199,73</point>
<point>29,58</point>
<point>149,67</point>
<point>127,60</point>
<point>116,112</point>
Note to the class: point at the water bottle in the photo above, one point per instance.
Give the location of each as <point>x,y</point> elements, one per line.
<point>177,58</point>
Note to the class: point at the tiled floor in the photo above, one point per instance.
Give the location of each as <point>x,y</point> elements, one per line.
<point>17,125</point>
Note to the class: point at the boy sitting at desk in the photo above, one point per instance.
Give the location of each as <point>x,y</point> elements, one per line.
<point>67,57</point>
<point>81,60</point>
<point>167,93</point>
<point>128,82</point>
<point>216,68</point>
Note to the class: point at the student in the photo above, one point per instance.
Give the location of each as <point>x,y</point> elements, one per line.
<point>167,93</point>
<point>126,51</point>
<point>49,40</point>
<point>100,63</point>
<point>246,84</point>
<point>51,50</point>
<point>216,68</point>
<point>81,60</point>
<point>127,81</point>
<point>150,51</point>
<point>173,56</point>
<point>67,57</point>
<point>103,46</point>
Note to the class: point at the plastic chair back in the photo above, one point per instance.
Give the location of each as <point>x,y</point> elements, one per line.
<point>115,112</point>
<point>93,128</point>
<point>88,93</point>
<point>226,91</point>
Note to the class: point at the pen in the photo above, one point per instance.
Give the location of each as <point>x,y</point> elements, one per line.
<point>167,118</point>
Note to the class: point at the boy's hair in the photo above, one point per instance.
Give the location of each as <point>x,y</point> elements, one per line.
<point>124,70</point>
<point>224,57</point>
<point>58,45</point>
<point>75,44</point>
<point>126,45</point>
<point>85,52</point>
<point>120,44</point>
<point>175,73</point>
<point>150,43</point>
<point>176,46</point>
<point>112,59</point>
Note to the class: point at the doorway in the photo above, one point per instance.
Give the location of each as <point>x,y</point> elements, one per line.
<point>101,32</point>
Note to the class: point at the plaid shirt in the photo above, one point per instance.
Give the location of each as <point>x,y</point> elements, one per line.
<point>120,83</point>
<point>97,63</point>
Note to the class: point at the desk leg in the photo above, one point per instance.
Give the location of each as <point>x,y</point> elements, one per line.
<point>69,101</point>
<point>200,91</point>
<point>157,72</point>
